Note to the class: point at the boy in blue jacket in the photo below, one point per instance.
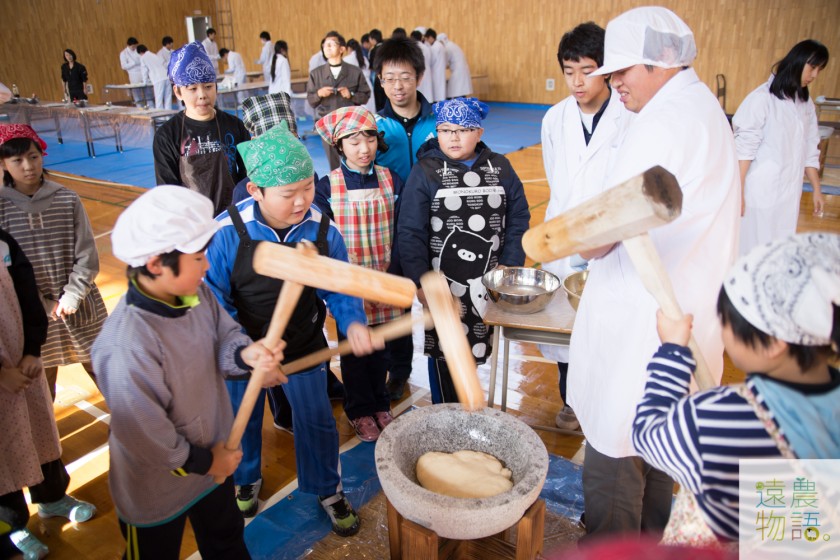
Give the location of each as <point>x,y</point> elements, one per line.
<point>280,210</point>
<point>463,213</point>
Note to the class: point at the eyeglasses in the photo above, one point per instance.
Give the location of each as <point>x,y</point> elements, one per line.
<point>454,132</point>
<point>391,81</point>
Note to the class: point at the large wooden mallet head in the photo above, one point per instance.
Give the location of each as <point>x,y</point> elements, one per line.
<point>453,341</point>
<point>637,205</point>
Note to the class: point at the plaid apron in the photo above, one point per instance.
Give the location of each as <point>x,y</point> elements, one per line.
<point>365,218</point>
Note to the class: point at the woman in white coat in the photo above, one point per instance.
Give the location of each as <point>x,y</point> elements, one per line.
<point>280,72</point>
<point>777,138</point>
<point>437,66</point>
<point>460,80</point>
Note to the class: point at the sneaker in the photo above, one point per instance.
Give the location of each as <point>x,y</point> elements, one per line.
<point>395,388</point>
<point>69,507</point>
<point>283,428</point>
<point>566,419</point>
<point>383,419</point>
<point>345,521</point>
<point>30,547</point>
<point>366,428</point>
<point>247,498</point>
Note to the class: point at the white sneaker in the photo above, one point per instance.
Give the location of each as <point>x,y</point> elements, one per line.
<point>31,547</point>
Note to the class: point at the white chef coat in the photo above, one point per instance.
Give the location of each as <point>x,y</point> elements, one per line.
<point>683,129</point>
<point>438,71</point>
<point>576,171</point>
<point>282,76</point>
<point>426,85</point>
<point>236,66</point>
<point>165,54</point>
<point>266,54</point>
<point>212,50</point>
<point>460,80</point>
<point>781,137</point>
<point>130,62</point>
<point>153,68</point>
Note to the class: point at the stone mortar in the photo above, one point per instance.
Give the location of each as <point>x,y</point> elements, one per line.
<point>449,428</point>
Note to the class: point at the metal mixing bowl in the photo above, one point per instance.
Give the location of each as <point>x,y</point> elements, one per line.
<point>520,289</point>
<point>573,285</point>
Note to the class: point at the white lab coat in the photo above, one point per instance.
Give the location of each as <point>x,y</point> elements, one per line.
<point>438,71</point>
<point>266,54</point>
<point>236,66</point>
<point>576,171</point>
<point>683,129</point>
<point>460,80</point>
<point>351,58</point>
<point>165,54</point>
<point>282,76</point>
<point>426,85</point>
<point>130,62</point>
<point>781,138</point>
<point>212,50</point>
<point>155,73</point>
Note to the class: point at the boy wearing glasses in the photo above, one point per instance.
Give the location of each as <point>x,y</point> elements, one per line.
<point>463,212</point>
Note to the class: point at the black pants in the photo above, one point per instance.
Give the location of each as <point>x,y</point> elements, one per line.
<point>364,383</point>
<point>401,352</point>
<point>440,382</point>
<point>13,508</point>
<point>218,525</point>
<point>563,374</point>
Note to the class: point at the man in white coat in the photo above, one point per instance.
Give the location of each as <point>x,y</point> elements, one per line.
<point>211,48</point>
<point>266,55</point>
<point>459,83</point>
<point>426,85</point>
<point>130,62</point>
<point>680,126</point>
<point>155,73</point>
<point>579,136</point>
<point>165,52</point>
<point>437,66</point>
<point>235,68</point>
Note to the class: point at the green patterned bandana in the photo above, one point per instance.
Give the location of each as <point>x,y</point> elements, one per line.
<point>276,158</point>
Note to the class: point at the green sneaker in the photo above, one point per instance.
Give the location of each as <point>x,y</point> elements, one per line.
<point>345,521</point>
<point>69,507</point>
<point>247,498</point>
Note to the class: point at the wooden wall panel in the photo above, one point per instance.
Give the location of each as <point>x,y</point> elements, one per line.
<point>34,34</point>
<point>514,42</point>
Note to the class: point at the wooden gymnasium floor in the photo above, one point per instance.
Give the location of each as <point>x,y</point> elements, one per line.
<point>82,414</point>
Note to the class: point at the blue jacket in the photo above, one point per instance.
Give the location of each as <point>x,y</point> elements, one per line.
<point>402,148</point>
<point>423,182</point>
<point>223,248</point>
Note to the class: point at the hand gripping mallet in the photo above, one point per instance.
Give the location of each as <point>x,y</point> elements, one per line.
<point>622,213</point>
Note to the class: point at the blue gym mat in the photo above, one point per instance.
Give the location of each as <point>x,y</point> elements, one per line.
<point>508,127</point>
<point>287,529</point>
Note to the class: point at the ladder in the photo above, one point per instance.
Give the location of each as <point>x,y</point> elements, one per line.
<point>224,28</point>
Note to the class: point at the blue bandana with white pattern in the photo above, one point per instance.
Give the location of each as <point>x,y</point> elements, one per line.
<point>191,65</point>
<point>466,112</point>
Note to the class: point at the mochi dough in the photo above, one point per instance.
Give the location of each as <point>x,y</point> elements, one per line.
<point>463,474</point>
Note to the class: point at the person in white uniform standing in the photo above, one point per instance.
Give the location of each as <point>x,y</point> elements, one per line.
<point>165,52</point>
<point>426,85</point>
<point>266,55</point>
<point>460,80</point>
<point>579,135</point>
<point>437,67</point>
<point>680,126</point>
<point>777,137</point>
<point>211,48</point>
<point>235,68</point>
<point>130,62</point>
<point>155,73</point>
<point>280,72</point>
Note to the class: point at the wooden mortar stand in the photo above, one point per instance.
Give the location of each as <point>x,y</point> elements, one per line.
<point>410,541</point>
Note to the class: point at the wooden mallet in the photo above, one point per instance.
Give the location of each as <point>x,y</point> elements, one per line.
<point>283,310</point>
<point>453,341</point>
<point>623,213</point>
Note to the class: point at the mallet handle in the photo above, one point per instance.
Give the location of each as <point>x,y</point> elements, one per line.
<point>655,278</point>
<point>388,331</point>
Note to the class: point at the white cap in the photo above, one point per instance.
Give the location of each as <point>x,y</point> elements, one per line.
<point>789,288</point>
<point>167,217</point>
<point>442,37</point>
<point>649,35</point>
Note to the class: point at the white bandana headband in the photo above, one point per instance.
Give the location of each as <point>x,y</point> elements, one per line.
<point>789,288</point>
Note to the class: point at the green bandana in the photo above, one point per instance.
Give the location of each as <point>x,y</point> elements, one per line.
<point>276,158</point>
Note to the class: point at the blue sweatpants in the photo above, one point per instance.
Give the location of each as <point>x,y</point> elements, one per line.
<point>316,435</point>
